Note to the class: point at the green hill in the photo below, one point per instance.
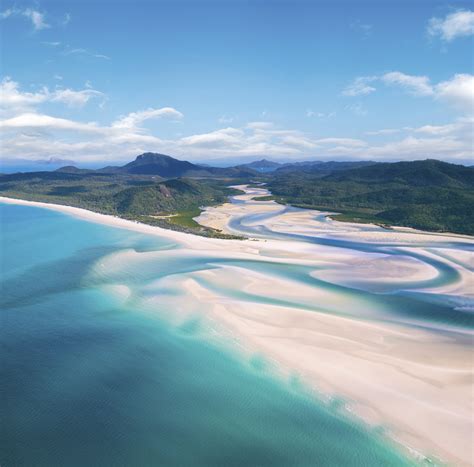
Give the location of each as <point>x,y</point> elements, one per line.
<point>429,195</point>
<point>158,164</point>
<point>168,203</point>
<point>169,196</point>
<point>429,172</point>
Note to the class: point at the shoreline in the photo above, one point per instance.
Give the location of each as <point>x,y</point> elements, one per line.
<point>119,222</point>
<point>286,334</point>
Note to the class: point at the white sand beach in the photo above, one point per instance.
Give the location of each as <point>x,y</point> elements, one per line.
<point>415,380</point>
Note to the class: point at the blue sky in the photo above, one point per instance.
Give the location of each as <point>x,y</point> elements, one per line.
<point>202,80</point>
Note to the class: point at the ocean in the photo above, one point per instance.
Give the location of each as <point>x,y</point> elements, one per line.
<point>90,377</point>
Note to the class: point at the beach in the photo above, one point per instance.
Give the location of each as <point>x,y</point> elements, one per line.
<point>327,303</point>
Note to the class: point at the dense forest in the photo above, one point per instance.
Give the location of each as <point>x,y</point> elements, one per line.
<point>430,195</point>
<point>167,203</point>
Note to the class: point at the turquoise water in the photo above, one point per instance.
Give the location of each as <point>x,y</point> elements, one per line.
<point>89,379</point>
<point>403,302</point>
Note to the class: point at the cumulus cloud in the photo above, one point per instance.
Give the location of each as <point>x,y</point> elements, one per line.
<point>38,135</point>
<point>457,91</point>
<point>451,141</point>
<point>28,132</point>
<point>457,24</point>
<point>13,100</point>
<point>31,133</point>
<point>12,97</point>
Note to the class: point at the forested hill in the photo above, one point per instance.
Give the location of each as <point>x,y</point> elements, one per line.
<point>430,194</point>
<point>417,173</point>
<point>168,203</point>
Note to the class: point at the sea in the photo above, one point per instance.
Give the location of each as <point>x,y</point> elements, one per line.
<point>89,378</point>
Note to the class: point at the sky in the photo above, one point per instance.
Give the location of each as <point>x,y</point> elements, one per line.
<point>102,81</point>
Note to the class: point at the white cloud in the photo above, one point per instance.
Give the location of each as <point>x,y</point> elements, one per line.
<point>12,97</point>
<point>40,121</point>
<point>30,133</point>
<point>421,148</point>
<point>225,138</point>
<point>14,101</point>
<point>435,130</point>
<point>7,13</point>
<point>134,119</point>
<point>75,98</point>
<point>37,18</point>
<point>298,142</point>
<point>360,86</point>
<point>457,24</point>
<point>27,132</point>
<point>84,52</point>
<point>417,85</point>
<point>458,92</point>
<point>34,135</point>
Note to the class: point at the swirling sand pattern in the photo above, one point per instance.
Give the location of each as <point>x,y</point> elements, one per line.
<point>382,318</point>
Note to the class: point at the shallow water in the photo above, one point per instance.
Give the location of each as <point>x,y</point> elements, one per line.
<point>406,302</point>
<point>90,376</point>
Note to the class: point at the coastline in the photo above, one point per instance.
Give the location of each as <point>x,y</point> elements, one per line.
<point>118,222</point>
<point>352,355</point>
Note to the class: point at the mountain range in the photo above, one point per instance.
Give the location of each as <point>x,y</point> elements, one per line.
<point>165,166</point>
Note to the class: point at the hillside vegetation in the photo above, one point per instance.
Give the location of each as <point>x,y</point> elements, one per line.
<point>430,195</point>
<point>167,203</point>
